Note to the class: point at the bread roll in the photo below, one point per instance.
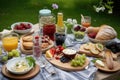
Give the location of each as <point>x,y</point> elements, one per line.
<point>28,45</point>
<point>28,38</point>
<point>106,33</point>
<point>92,29</point>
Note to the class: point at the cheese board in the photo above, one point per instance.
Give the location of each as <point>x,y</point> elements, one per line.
<point>67,66</point>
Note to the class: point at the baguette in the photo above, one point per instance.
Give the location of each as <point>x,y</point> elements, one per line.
<point>109,59</point>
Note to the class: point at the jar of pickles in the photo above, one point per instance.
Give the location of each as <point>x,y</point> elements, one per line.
<point>47,23</point>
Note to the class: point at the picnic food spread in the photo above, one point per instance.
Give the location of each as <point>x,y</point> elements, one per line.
<point>99,46</point>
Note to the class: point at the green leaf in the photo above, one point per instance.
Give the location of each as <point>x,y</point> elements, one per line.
<point>94,60</point>
<point>31,60</point>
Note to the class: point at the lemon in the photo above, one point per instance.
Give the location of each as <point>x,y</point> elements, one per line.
<point>48,54</point>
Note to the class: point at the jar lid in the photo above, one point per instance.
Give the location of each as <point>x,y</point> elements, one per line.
<point>45,12</point>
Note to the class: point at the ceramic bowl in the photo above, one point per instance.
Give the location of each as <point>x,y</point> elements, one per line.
<point>70,53</point>
<point>21,29</point>
<point>14,63</point>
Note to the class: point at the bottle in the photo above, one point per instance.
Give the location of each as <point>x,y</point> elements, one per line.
<point>60,34</point>
<point>60,24</point>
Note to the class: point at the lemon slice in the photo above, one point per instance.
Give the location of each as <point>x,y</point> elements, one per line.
<point>99,47</point>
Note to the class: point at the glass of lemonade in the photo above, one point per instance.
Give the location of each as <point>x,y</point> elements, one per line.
<point>10,41</point>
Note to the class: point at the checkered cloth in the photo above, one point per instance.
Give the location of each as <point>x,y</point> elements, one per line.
<point>44,74</point>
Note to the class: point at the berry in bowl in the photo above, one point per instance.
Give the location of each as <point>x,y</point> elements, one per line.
<point>79,32</point>
<point>22,27</point>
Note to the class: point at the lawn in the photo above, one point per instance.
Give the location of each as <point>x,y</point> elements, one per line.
<point>12,11</point>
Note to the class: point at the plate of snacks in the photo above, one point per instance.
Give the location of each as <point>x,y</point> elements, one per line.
<point>27,43</point>
<point>108,65</point>
<point>66,59</point>
<point>94,50</point>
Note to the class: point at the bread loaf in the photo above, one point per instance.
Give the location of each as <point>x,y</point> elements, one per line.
<point>106,33</point>
<point>109,59</point>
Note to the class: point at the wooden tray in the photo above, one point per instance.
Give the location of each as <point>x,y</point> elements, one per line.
<point>27,76</point>
<point>100,55</point>
<point>67,66</point>
<point>106,69</point>
<point>31,51</point>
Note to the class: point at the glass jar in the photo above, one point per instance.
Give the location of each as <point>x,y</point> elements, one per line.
<point>47,23</point>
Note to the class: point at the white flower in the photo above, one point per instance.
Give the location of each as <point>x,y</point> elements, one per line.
<point>69,20</point>
<point>98,9</point>
<point>74,21</point>
<point>110,11</point>
<point>102,8</point>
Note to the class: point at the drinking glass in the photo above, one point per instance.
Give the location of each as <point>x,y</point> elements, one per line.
<point>10,41</point>
<point>86,21</point>
<point>60,37</point>
<point>37,51</point>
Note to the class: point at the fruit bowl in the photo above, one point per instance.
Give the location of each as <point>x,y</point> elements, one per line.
<point>79,32</point>
<point>18,65</point>
<point>22,27</point>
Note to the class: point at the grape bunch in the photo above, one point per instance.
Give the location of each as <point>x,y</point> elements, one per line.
<point>113,46</point>
<point>78,60</point>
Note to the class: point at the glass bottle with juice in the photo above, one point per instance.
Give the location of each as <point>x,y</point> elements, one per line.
<point>60,34</point>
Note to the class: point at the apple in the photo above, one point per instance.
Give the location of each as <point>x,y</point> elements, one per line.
<point>4,58</point>
<point>10,54</point>
<point>92,35</point>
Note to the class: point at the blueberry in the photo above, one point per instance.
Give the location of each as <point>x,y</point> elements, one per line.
<point>64,59</point>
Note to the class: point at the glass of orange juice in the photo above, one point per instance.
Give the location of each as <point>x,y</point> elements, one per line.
<point>86,21</point>
<point>10,41</point>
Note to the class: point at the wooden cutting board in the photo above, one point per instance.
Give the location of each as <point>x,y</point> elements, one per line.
<point>100,55</point>
<point>106,69</point>
<point>67,66</point>
<point>31,51</point>
<point>26,76</point>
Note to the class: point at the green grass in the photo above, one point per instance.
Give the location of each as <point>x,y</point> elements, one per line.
<point>12,11</point>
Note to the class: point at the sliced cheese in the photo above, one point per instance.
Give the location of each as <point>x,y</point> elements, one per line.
<point>100,63</point>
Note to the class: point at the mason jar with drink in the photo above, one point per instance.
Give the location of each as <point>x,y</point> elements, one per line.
<point>47,23</point>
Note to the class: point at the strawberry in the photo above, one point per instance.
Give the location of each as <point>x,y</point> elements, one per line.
<point>53,51</point>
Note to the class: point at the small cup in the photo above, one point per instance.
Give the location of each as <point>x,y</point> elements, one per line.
<point>86,21</point>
